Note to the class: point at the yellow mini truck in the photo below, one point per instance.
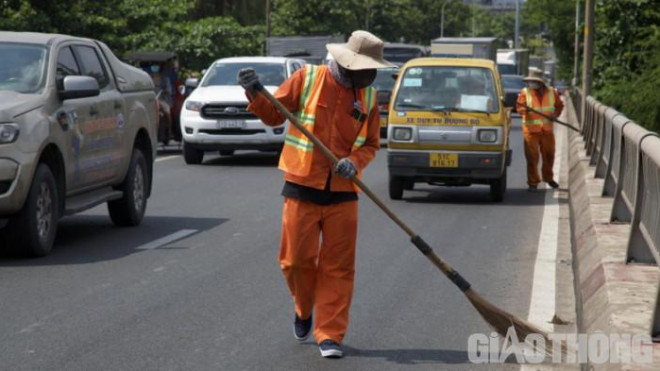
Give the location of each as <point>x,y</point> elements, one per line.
<point>448,126</point>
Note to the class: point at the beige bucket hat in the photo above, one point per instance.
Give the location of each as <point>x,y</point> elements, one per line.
<point>535,74</point>
<point>363,51</point>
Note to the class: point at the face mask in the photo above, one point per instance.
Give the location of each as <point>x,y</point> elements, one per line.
<point>155,68</point>
<point>362,78</point>
<point>534,85</point>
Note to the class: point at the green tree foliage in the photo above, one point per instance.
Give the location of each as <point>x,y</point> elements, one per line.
<point>248,12</point>
<point>557,18</point>
<point>316,17</point>
<point>627,58</point>
<point>129,25</point>
<point>414,21</point>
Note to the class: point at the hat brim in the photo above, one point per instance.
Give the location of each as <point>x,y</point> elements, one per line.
<point>354,61</point>
<point>530,79</point>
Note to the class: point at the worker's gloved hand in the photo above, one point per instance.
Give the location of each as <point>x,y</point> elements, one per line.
<point>346,168</point>
<point>249,80</point>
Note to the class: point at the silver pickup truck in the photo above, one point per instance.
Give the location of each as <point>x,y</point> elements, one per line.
<point>77,129</point>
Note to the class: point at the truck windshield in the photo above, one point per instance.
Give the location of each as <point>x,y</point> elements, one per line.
<point>270,74</point>
<point>447,88</point>
<point>22,67</point>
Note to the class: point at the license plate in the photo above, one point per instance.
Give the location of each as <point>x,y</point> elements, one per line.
<point>444,160</point>
<point>230,124</point>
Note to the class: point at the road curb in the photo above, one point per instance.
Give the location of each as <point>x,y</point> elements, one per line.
<point>612,297</point>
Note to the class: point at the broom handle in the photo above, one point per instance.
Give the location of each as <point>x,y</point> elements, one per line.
<point>548,117</point>
<point>456,278</point>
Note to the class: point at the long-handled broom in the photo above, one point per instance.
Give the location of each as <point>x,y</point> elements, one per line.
<point>548,117</point>
<point>499,319</point>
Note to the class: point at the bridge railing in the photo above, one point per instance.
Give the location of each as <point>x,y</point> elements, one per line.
<point>627,157</point>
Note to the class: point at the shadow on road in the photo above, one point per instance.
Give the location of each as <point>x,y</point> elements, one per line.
<point>476,196</point>
<point>250,159</point>
<point>416,356</point>
<point>410,356</point>
<point>84,239</point>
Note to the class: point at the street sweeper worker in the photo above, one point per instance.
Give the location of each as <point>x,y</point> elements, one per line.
<point>538,131</point>
<point>336,104</point>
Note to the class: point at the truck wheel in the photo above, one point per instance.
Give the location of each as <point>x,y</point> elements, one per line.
<point>498,188</point>
<point>32,231</point>
<point>226,152</point>
<point>129,210</point>
<point>396,187</point>
<point>191,155</point>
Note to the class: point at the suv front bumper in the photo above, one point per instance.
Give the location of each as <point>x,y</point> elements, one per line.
<point>15,181</point>
<point>208,135</point>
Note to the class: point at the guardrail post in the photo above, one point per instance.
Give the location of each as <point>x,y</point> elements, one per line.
<point>639,248</point>
<point>604,161</point>
<point>655,325</point>
<point>587,122</point>
<point>598,135</point>
<point>613,174</point>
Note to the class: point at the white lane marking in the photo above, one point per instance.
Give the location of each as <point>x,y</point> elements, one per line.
<point>159,269</point>
<point>542,301</point>
<point>167,239</point>
<point>159,159</point>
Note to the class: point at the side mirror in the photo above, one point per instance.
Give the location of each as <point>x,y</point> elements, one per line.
<point>182,90</point>
<point>383,97</point>
<point>395,76</point>
<point>192,82</point>
<point>204,72</point>
<point>75,87</point>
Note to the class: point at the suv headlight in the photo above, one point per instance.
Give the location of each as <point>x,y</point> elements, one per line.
<point>194,106</point>
<point>487,135</point>
<point>402,134</point>
<point>8,133</point>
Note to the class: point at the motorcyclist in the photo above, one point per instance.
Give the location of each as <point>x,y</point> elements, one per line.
<point>163,87</point>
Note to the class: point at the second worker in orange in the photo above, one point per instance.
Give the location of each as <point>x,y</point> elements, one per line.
<point>538,129</point>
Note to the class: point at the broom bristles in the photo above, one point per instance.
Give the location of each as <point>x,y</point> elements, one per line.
<point>501,321</point>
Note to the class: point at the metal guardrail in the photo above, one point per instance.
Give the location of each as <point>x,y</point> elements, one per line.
<point>627,156</point>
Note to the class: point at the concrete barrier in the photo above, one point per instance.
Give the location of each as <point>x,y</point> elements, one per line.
<point>613,295</point>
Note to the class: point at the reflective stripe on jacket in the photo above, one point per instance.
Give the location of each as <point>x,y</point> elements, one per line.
<point>532,121</point>
<point>297,153</point>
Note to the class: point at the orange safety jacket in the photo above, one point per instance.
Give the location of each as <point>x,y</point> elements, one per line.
<point>297,153</point>
<point>549,104</point>
<point>333,125</point>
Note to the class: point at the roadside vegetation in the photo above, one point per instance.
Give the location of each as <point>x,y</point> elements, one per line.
<point>627,39</point>
<point>626,66</point>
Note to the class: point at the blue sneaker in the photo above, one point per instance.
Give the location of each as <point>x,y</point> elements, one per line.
<point>301,328</point>
<point>330,349</point>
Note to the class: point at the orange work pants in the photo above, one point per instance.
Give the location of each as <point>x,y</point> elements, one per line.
<point>320,279</point>
<point>543,143</point>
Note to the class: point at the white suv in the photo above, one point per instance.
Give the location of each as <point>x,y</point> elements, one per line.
<point>214,116</point>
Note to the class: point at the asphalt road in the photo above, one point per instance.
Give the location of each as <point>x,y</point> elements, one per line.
<point>214,299</point>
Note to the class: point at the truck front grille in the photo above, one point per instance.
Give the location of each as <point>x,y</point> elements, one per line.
<point>232,131</point>
<point>226,111</point>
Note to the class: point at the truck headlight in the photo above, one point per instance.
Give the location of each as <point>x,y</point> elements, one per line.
<point>487,135</point>
<point>8,133</point>
<point>194,106</point>
<point>402,134</point>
